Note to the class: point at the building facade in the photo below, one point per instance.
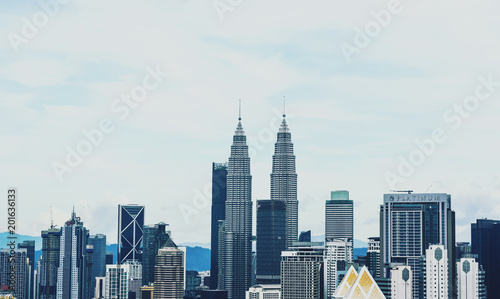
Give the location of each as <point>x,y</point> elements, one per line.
<point>401,282</point>
<point>98,257</point>
<point>337,252</point>
<point>14,273</point>
<point>154,237</point>
<point>29,245</point>
<point>409,224</point>
<point>436,258</point>
<point>269,291</point>
<point>284,180</point>
<point>75,261</point>
<point>48,264</point>
<point>339,216</point>
<point>169,274</point>
<point>271,240</point>
<point>302,273</point>
<point>238,219</point>
<point>130,231</point>
<point>219,195</point>
<point>485,241</point>
<point>470,279</point>
<point>373,256</point>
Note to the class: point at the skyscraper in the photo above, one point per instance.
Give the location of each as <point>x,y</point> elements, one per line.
<point>14,271</point>
<point>337,251</point>
<point>130,225</point>
<point>98,257</point>
<point>284,180</point>
<point>271,240</point>
<point>238,223</point>
<point>74,266</point>
<point>470,279</point>
<point>29,245</point>
<point>219,195</point>
<point>485,237</point>
<point>339,216</point>
<point>49,263</point>
<point>169,274</point>
<point>154,238</point>
<point>437,272</point>
<point>302,273</point>
<point>373,256</point>
<point>409,224</point>
<point>120,278</point>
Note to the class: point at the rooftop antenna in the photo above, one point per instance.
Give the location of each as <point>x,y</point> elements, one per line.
<point>284,106</point>
<point>428,188</point>
<point>405,191</point>
<point>239,117</point>
<point>51,219</point>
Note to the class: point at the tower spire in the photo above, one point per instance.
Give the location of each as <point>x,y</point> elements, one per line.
<point>284,107</point>
<point>239,115</point>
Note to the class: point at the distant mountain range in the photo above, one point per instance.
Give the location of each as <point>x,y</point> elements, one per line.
<point>197,257</point>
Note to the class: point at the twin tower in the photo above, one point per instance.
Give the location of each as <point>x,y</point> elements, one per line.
<point>231,267</point>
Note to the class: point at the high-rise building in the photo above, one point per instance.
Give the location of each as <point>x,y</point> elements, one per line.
<point>271,240</point>
<point>75,267</point>
<point>436,272</point>
<point>463,249</point>
<point>238,221</point>
<point>302,273</point>
<point>470,279</point>
<point>264,291</point>
<point>14,271</point>
<point>98,257</point>
<point>409,224</point>
<point>48,264</point>
<point>337,252</point>
<point>29,245</point>
<point>401,282</point>
<point>219,195</point>
<point>109,258</point>
<point>284,180</point>
<point>305,236</point>
<point>169,274</point>
<point>155,237</point>
<point>100,287</point>
<point>485,237</point>
<point>122,280</point>
<point>130,226</point>
<point>339,216</point>
<point>373,256</point>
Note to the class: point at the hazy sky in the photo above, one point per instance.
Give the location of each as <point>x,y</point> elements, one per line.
<point>363,81</point>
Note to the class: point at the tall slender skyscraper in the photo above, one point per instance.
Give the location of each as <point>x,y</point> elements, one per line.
<point>219,193</point>
<point>73,271</point>
<point>49,263</point>
<point>130,230</point>
<point>98,258</point>
<point>284,181</point>
<point>238,223</point>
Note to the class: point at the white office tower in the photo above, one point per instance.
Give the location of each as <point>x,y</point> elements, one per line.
<point>470,279</point>
<point>264,291</point>
<point>336,251</point>
<point>119,279</point>
<point>436,272</point>
<point>301,270</point>
<point>401,282</point>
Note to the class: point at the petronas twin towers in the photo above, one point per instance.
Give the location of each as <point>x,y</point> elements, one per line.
<point>235,273</point>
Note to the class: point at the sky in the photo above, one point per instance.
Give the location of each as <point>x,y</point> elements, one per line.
<point>117,102</point>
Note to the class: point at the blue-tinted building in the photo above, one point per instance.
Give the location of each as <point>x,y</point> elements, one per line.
<point>29,245</point>
<point>485,237</point>
<point>154,238</point>
<point>130,231</point>
<point>219,174</point>
<point>98,257</point>
<point>305,236</point>
<point>271,240</point>
<point>48,264</point>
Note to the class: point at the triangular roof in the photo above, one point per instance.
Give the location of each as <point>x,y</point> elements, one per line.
<point>358,286</point>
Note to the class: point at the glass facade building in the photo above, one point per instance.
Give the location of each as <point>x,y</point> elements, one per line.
<point>98,257</point>
<point>339,216</point>
<point>219,195</point>
<point>154,238</point>
<point>271,240</point>
<point>485,239</point>
<point>409,224</point>
<point>48,264</point>
<point>130,231</point>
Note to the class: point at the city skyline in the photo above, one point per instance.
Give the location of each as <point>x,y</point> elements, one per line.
<point>351,121</point>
